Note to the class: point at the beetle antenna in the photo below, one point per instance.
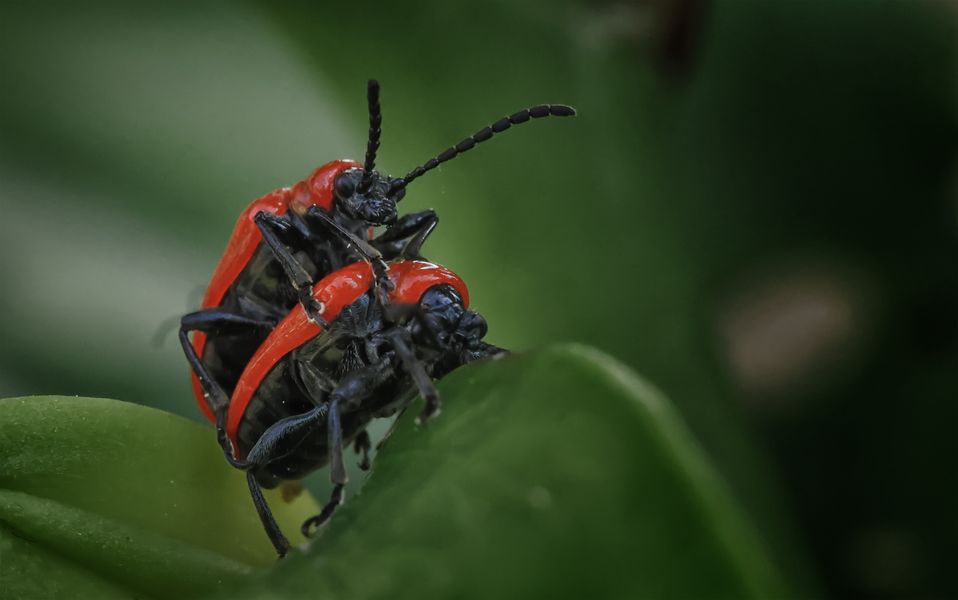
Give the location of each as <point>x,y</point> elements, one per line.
<point>375,124</point>
<point>534,112</point>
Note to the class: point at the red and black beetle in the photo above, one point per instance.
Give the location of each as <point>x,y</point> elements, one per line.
<point>309,389</point>
<point>290,238</point>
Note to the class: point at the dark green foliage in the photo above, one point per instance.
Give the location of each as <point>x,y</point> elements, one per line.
<point>795,158</point>
<point>606,496</point>
<point>100,497</point>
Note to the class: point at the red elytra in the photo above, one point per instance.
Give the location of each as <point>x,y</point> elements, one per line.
<point>315,190</point>
<point>336,291</point>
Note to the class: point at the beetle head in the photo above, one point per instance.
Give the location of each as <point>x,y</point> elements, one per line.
<point>443,323</point>
<point>367,198</point>
<point>366,195</point>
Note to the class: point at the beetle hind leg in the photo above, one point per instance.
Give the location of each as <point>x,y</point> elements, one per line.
<point>312,524</point>
<point>266,516</point>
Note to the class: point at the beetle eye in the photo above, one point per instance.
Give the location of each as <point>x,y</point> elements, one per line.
<point>344,186</point>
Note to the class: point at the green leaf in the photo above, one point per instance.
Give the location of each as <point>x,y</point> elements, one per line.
<point>101,499</point>
<point>554,474</point>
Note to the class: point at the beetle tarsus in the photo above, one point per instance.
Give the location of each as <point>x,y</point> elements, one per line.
<point>312,524</point>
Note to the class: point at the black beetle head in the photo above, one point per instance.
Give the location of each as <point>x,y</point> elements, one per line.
<point>445,324</point>
<point>373,203</point>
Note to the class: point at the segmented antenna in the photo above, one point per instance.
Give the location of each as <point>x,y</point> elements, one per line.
<point>375,123</point>
<point>534,112</point>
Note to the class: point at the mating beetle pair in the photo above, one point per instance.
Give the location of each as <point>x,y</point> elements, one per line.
<point>290,371</point>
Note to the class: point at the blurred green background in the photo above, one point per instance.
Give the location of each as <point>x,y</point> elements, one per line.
<point>756,209</point>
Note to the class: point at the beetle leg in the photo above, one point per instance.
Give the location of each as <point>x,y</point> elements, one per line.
<point>417,372</point>
<point>362,446</point>
<point>405,237</point>
<point>279,440</point>
<point>284,437</point>
<point>266,516</point>
<point>352,389</point>
<point>337,469</point>
<point>274,228</point>
<point>413,248</point>
<point>384,285</point>
<point>316,381</point>
<point>217,321</point>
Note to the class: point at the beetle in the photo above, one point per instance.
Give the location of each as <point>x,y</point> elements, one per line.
<point>311,389</point>
<point>284,241</point>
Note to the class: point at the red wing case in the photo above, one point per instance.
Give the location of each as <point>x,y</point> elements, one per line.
<point>317,189</point>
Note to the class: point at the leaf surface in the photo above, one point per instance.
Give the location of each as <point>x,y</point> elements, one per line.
<point>554,474</point>
<point>100,498</point>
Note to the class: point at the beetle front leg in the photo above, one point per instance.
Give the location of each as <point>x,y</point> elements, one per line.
<point>422,380</point>
<point>404,238</point>
<point>274,229</point>
<point>371,255</point>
